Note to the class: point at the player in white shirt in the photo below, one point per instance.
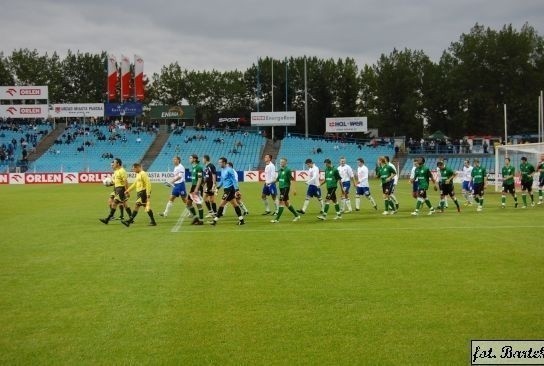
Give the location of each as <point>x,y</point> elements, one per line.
<point>413,180</point>
<point>395,181</point>
<point>363,188</point>
<point>269,188</point>
<point>346,173</point>
<point>313,186</point>
<point>467,183</point>
<point>178,186</point>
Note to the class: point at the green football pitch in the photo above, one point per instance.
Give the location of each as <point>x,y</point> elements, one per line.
<point>367,289</point>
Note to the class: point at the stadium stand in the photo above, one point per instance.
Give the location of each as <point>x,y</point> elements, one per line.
<point>297,149</point>
<point>243,148</point>
<point>16,137</point>
<point>90,148</point>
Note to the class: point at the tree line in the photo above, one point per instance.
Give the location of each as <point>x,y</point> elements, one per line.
<point>461,94</point>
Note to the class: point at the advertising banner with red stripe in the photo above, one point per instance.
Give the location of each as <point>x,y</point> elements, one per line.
<point>112,77</point>
<point>139,78</point>
<point>23,92</point>
<point>125,78</point>
<point>24,111</point>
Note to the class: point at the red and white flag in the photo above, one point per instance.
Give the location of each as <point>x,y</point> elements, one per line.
<point>139,77</point>
<point>125,78</point>
<point>112,77</point>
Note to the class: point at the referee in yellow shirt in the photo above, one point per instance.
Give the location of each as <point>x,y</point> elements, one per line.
<point>143,192</point>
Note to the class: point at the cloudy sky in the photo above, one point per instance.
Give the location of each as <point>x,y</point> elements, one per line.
<point>233,34</point>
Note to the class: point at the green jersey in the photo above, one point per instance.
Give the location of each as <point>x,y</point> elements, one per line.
<point>422,175</point>
<point>284,177</point>
<point>196,172</point>
<point>478,175</point>
<point>527,171</point>
<point>332,177</point>
<point>445,175</point>
<point>506,171</point>
<point>385,172</point>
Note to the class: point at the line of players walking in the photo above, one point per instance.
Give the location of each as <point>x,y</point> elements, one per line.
<point>278,187</point>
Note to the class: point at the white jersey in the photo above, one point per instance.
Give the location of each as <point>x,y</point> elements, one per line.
<point>362,176</point>
<point>467,173</point>
<point>413,173</point>
<point>179,171</point>
<point>396,178</point>
<point>346,173</point>
<point>270,173</point>
<point>313,176</point>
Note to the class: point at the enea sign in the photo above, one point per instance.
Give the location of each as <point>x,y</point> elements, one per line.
<point>24,111</point>
<point>122,109</point>
<point>24,92</point>
<point>95,110</point>
<point>172,112</point>
<point>346,124</point>
<point>288,118</point>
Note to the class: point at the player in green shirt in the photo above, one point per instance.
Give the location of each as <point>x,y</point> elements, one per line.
<point>540,169</point>
<point>386,173</point>
<point>422,175</point>
<point>195,194</point>
<point>526,170</point>
<point>284,181</point>
<point>479,181</point>
<point>508,184</point>
<point>332,178</point>
<point>446,185</point>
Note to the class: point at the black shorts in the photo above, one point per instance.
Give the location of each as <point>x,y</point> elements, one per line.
<point>540,182</point>
<point>478,189</point>
<point>422,193</point>
<point>510,188</point>
<point>446,189</point>
<point>141,199</point>
<point>331,194</point>
<point>209,189</point>
<point>201,189</point>
<point>284,194</point>
<point>527,186</point>
<point>387,188</point>
<point>120,195</point>
<point>228,194</point>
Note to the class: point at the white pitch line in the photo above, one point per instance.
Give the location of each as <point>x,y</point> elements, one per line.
<point>182,217</point>
<point>329,229</point>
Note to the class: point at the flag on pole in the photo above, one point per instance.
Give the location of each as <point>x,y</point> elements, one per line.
<point>139,77</point>
<point>112,77</point>
<point>125,78</point>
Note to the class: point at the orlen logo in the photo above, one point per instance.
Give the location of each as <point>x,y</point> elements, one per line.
<point>12,110</point>
<point>139,60</point>
<point>30,92</point>
<point>30,110</point>
<point>11,91</point>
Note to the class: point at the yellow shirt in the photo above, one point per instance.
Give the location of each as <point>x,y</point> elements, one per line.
<point>142,182</point>
<point>120,177</point>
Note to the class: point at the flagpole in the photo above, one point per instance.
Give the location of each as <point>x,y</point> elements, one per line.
<point>286,89</point>
<point>272,89</point>
<point>305,100</point>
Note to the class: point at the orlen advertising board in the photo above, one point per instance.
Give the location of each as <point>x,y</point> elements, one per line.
<point>24,111</point>
<point>346,124</point>
<point>23,92</point>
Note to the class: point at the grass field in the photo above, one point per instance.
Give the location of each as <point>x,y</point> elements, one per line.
<point>367,289</point>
